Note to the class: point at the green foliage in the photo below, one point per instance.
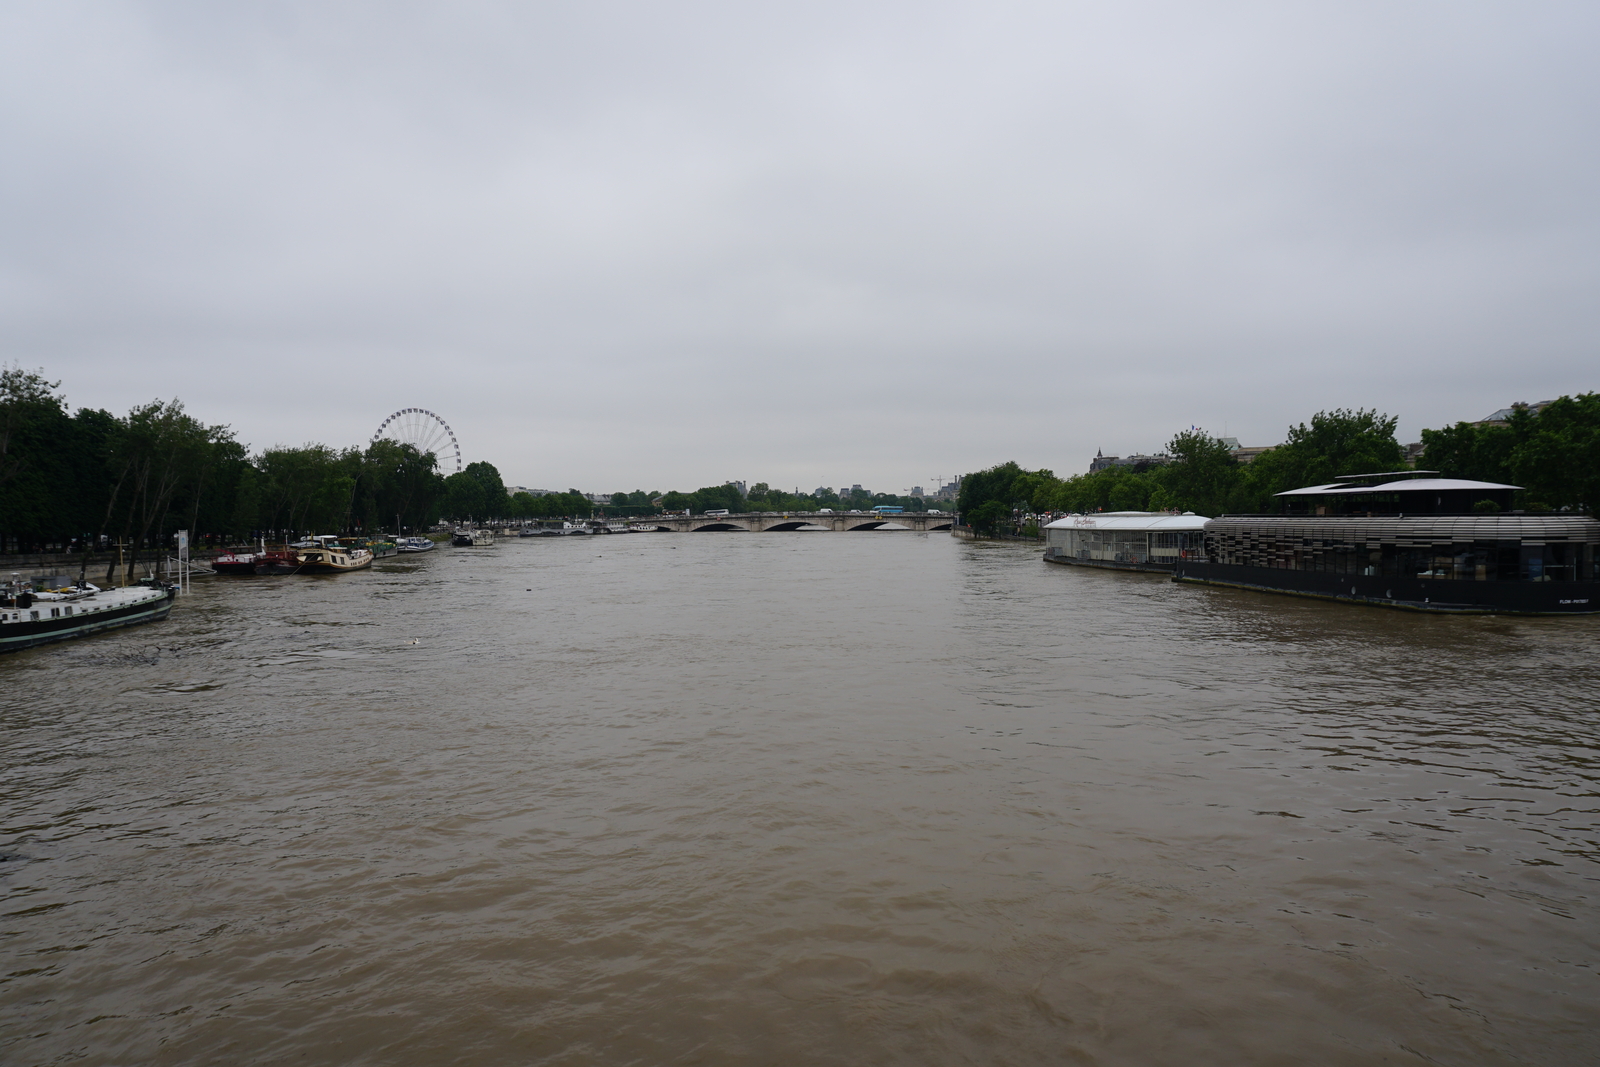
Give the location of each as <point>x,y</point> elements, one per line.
<point>395,482</point>
<point>27,402</point>
<point>1558,455</point>
<point>1336,442</point>
<point>569,505</point>
<point>1116,489</point>
<point>1554,455</point>
<point>988,516</point>
<point>711,497</point>
<point>139,478</point>
<point>762,497</point>
<point>1203,476</point>
<point>996,485</point>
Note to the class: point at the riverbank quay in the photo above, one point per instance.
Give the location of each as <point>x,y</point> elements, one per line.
<point>967,533</point>
<point>97,567</point>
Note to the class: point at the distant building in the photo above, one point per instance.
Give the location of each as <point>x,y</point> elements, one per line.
<point>948,491</point>
<point>916,490</point>
<point>1243,453</point>
<point>513,490</point>
<point>1503,416</point>
<point>1103,462</point>
<point>739,486</point>
<point>1413,454</point>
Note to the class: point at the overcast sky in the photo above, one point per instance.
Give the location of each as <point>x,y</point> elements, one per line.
<point>661,245</point>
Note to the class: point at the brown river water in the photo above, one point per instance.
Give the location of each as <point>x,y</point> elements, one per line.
<point>797,799</point>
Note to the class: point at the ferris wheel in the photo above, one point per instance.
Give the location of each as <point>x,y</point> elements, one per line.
<point>424,431</point>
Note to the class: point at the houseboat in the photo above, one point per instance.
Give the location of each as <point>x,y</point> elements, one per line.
<point>414,544</point>
<point>472,538</point>
<point>38,611</point>
<point>283,559</point>
<point>1125,540</point>
<point>380,548</point>
<point>327,555</point>
<point>1407,539</point>
<point>238,562</point>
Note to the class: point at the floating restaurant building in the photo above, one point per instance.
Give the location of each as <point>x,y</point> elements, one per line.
<point>1407,540</point>
<point>1125,540</point>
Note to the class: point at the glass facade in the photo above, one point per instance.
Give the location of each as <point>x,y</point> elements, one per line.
<point>1408,553</point>
<point>1127,546</point>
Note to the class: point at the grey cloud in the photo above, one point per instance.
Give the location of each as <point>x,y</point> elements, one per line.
<point>633,245</point>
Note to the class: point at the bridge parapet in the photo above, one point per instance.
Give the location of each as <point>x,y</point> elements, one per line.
<point>776,521</point>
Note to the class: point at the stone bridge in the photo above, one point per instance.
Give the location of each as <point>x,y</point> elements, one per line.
<point>768,521</point>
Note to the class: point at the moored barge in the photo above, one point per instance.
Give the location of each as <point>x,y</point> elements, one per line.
<point>237,562</point>
<point>1405,540</point>
<point>39,611</point>
<point>327,554</point>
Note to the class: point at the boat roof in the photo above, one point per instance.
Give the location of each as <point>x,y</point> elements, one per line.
<point>1380,474</point>
<point>1130,520</point>
<point>1408,485</point>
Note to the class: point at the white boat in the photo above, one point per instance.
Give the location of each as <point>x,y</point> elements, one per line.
<point>472,538</point>
<point>413,544</point>
<point>327,554</point>
<point>43,610</point>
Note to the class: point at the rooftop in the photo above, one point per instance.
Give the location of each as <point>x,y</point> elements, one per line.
<point>1405,485</point>
<point>1130,520</point>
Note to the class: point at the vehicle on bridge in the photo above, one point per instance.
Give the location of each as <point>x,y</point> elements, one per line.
<point>884,509</point>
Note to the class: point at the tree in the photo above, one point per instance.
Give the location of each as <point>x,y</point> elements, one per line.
<point>1336,442</point>
<point>712,497</point>
<point>987,516</point>
<point>496,502</point>
<point>159,450</point>
<point>1203,476</point>
<point>306,489</point>
<point>464,497</point>
<point>993,484</point>
<point>1557,453</point>
<point>477,493</point>
<point>24,396</point>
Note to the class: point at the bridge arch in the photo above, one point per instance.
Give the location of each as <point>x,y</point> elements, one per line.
<point>720,526</point>
<point>795,524</point>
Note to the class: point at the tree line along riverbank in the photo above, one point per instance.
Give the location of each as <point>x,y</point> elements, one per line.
<point>89,478</point>
<point>92,478</point>
<point>1554,454</point>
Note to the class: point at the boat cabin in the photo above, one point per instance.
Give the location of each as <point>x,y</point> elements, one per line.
<point>1399,493</point>
<point>1125,540</point>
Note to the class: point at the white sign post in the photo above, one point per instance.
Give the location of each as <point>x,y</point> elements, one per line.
<point>183,560</point>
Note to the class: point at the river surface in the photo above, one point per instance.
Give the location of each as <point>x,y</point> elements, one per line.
<point>822,798</point>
